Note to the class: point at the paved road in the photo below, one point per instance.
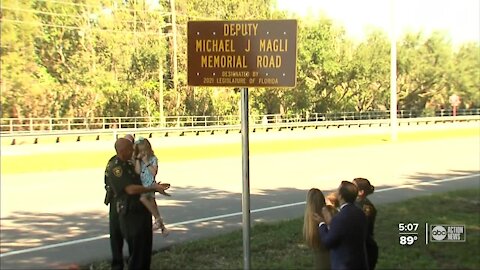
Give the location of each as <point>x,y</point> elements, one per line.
<point>69,225</point>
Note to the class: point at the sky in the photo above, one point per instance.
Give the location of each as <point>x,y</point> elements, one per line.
<point>459,19</point>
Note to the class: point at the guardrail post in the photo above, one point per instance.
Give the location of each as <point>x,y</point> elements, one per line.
<point>51,123</point>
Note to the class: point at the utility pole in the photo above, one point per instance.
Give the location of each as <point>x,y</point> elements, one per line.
<point>160,82</point>
<point>175,72</point>
<point>135,25</point>
<point>393,74</point>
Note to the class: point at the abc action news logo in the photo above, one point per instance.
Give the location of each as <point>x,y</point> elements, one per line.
<point>447,233</point>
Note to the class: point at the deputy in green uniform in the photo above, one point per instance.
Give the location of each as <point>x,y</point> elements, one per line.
<point>116,238</point>
<point>134,219</point>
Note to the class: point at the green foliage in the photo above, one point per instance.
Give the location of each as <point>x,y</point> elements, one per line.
<point>370,73</point>
<point>466,76</point>
<point>24,83</point>
<point>85,58</point>
<point>424,70</point>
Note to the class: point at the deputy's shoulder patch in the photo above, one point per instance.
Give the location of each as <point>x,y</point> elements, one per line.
<point>368,209</point>
<point>117,171</point>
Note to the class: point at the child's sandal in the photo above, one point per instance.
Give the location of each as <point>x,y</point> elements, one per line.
<point>158,224</point>
<point>165,231</point>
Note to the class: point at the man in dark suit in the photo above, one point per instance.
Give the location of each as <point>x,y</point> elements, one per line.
<point>346,233</point>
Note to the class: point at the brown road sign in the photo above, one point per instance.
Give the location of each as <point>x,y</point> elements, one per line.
<point>242,53</point>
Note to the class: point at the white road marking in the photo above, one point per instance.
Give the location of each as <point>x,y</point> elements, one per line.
<point>28,250</point>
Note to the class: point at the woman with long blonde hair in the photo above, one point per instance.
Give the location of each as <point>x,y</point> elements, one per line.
<point>315,203</point>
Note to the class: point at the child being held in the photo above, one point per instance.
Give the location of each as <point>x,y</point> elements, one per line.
<point>146,165</point>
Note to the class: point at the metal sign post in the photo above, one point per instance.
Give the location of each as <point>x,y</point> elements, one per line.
<point>246,180</point>
<point>243,54</point>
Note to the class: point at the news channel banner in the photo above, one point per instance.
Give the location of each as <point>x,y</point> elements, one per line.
<point>409,233</point>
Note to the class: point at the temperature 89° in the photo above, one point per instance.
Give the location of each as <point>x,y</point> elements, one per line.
<point>407,227</point>
<point>408,240</point>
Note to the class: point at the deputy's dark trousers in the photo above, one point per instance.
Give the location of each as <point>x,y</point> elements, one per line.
<point>372,252</point>
<point>137,228</point>
<point>116,238</point>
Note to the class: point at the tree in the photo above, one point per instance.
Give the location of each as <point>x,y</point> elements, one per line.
<point>25,83</point>
<point>423,68</point>
<point>369,73</point>
<point>466,76</point>
<point>88,58</point>
<point>322,53</point>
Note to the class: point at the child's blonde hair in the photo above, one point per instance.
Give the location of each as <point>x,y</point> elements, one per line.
<point>143,144</point>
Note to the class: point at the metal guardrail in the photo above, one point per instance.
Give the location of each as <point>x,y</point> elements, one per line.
<point>102,134</point>
<point>29,125</point>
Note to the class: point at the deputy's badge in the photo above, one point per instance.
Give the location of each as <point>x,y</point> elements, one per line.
<point>117,171</point>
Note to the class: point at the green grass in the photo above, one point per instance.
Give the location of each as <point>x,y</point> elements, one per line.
<point>279,245</point>
<point>457,207</point>
<point>97,159</point>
